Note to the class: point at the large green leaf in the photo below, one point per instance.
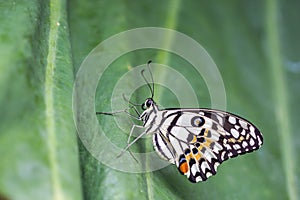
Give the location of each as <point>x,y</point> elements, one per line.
<point>38,140</point>
<point>254,44</point>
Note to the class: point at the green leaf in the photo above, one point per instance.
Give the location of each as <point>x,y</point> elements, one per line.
<point>38,139</point>
<point>43,43</point>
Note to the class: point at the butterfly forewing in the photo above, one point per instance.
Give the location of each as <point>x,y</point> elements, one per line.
<point>199,140</point>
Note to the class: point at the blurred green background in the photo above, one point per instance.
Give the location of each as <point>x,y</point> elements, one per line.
<point>255,45</point>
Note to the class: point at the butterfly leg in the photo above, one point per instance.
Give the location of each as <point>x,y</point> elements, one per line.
<point>121,111</point>
<point>128,140</point>
<point>131,143</point>
<point>134,126</point>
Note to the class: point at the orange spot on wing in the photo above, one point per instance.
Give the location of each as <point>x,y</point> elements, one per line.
<point>241,139</point>
<point>206,132</point>
<point>197,156</point>
<point>207,142</point>
<point>200,148</point>
<point>188,157</point>
<point>184,168</point>
<point>232,140</point>
<point>194,139</point>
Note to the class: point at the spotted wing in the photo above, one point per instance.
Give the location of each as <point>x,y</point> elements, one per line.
<point>198,141</point>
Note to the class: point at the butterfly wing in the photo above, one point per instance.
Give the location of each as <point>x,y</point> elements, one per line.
<point>199,140</point>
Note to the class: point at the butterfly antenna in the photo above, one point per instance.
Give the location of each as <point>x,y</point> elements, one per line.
<point>151,75</point>
<point>125,99</point>
<point>133,105</point>
<point>151,89</point>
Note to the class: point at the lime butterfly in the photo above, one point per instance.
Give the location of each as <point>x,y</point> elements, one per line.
<point>196,140</point>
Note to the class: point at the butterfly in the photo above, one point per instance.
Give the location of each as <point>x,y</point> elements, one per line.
<point>196,140</point>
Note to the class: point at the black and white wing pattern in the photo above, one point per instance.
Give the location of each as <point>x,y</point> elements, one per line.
<point>199,140</point>
<point>196,140</point>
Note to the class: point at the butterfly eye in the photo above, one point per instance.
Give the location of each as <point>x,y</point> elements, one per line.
<point>149,103</point>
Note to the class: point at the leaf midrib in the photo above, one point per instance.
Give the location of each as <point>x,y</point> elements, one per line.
<point>54,18</point>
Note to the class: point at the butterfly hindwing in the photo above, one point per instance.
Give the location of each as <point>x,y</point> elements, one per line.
<point>199,140</point>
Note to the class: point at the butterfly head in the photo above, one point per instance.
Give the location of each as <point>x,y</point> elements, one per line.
<point>150,108</point>
<point>148,104</point>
